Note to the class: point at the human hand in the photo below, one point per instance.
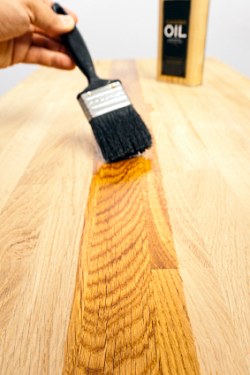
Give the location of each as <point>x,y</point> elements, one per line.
<point>29,31</point>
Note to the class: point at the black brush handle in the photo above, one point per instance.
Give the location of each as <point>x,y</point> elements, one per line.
<point>77,48</point>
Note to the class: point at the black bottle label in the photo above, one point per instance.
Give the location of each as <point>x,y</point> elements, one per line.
<point>175,37</point>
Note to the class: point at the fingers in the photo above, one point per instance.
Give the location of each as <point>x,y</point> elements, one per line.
<point>43,17</point>
<point>40,40</point>
<point>51,58</point>
<point>38,30</point>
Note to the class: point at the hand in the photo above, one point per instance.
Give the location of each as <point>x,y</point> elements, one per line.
<point>29,31</point>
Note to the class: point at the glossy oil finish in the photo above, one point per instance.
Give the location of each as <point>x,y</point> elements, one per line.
<point>126,318</point>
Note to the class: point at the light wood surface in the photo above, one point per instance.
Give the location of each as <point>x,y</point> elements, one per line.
<point>139,267</point>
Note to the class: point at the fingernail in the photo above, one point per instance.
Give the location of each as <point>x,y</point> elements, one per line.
<point>67,21</point>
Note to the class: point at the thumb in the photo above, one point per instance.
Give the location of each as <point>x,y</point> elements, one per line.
<point>44,17</point>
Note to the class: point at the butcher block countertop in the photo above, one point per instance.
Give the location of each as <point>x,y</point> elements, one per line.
<point>137,267</point>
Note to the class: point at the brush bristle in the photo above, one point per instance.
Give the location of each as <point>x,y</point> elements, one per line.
<point>121,134</point>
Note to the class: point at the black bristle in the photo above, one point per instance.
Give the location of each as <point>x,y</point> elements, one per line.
<point>121,134</point>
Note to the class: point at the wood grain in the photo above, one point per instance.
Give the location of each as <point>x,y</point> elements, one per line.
<point>202,136</point>
<point>116,329</point>
<point>156,205</point>
<point>40,162</point>
<point>178,353</point>
<point>170,290</point>
<point>113,326</point>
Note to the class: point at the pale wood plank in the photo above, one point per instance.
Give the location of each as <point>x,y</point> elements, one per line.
<point>202,149</point>
<point>219,346</point>
<point>41,225</point>
<point>196,203</point>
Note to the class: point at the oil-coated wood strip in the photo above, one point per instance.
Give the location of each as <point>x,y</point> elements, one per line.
<point>115,325</point>
<point>112,327</point>
<point>177,349</point>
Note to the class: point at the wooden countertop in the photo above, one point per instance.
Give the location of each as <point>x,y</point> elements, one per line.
<point>140,267</point>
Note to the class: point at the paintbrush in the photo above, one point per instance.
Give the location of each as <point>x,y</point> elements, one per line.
<point>119,130</point>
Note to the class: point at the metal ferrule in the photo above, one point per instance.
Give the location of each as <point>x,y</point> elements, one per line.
<point>103,100</point>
